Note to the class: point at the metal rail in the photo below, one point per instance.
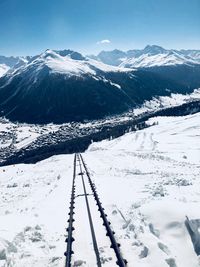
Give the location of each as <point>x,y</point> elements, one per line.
<point>95,246</point>
<point>120,261</point>
<point>70,229</point>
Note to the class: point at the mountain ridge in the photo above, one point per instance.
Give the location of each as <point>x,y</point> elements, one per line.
<point>150,56</point>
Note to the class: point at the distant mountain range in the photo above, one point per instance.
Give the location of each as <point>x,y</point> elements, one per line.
<point>150,56</point>
<point>7,63</point>
<point>60,86</point>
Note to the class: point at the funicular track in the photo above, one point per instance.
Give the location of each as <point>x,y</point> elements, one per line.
<point>86,178</point>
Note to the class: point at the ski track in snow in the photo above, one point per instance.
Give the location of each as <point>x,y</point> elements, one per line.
<point>148,181</point>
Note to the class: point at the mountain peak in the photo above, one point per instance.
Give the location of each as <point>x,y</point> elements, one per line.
<point>48,53</point>
<point>72,54</point>
<point>111,57</point>
<point>154,49</point>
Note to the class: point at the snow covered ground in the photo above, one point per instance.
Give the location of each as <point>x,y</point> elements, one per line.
<point>148,182</point>
<point>173,100</point>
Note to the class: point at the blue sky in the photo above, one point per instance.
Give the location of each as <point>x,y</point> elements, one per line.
<point>28,27</point>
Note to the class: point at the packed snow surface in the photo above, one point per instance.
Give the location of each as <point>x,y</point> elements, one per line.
<point>148,182</point>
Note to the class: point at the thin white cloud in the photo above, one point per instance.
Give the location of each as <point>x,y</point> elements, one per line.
<point>106,41</point>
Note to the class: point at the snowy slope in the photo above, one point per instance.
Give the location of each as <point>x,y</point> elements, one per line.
<point>3,69</point>
<point>173,100</point>
<point>7,63</point>
<point>195,54</point>
<point>149,177</point>
<point>165,59</point>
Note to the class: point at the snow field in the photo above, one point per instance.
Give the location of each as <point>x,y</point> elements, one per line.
<point>148,182</point>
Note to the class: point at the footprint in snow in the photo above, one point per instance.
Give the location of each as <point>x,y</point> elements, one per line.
<point>164,248</point>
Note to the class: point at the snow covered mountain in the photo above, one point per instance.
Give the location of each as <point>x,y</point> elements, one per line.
<point>182,66</point>
<point>3,69</point>
<point>60,86</point>
<point>150,56</point>
<point>6,63</point>
<point>114,57</point>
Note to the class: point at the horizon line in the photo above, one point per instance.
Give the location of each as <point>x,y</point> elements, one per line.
<point>101,50</point>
